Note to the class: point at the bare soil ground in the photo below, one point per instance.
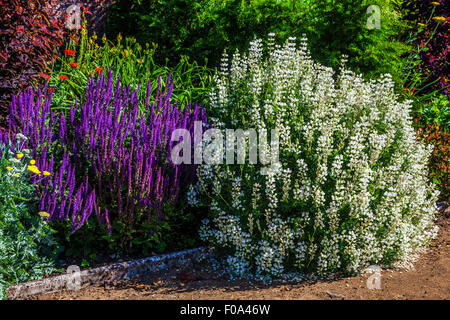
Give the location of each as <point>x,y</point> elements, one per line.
<point>429,279</point>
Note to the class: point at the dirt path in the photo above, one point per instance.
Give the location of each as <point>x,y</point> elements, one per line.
<point>430,279</point>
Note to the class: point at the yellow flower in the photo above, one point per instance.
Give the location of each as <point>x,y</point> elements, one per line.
<point>119,37</point>
<point>46,173</point>
<point>442,19</point>
<point>15,175</point>
<point>19,156</point>
<point>44,214</point>
<point>33,162</point>
<point>104,38</point>
<point>435,3</point>
<point>421,24</point>
<point>9,168</point>
<point>94,36</point>
<point>34,169</point>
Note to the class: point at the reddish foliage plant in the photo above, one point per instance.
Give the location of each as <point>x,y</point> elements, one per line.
<point>30,38</point>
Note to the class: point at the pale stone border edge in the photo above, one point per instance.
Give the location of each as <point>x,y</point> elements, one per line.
<point>113,272</point>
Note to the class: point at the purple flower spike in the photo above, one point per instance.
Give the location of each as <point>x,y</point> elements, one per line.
<point>104,155</point>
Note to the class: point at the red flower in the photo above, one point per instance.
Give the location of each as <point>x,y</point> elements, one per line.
<point>74,64</point>
<point>51,89</point>
<point>45,76</point>
<point>415,119</point>
<point>99,70</point>
<point>69,52</point>
<point>63,77</point>
<point>85,10</point>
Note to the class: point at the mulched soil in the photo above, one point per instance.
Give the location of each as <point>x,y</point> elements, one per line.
<point>429,279</point>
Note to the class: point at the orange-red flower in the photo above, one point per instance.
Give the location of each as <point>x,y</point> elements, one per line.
<point>63,77</point>
<point>69,52</point>
<point>99,70</point>
<point>74,64</point>
<point>45,76</point>
<point>51,90</point>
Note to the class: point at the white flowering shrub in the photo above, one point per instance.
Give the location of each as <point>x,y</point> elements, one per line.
<point>351,186</point>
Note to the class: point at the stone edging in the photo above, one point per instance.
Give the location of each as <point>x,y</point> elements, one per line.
<point>118,271</point>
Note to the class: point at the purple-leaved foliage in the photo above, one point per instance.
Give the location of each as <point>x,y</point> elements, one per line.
<point>105,156</point>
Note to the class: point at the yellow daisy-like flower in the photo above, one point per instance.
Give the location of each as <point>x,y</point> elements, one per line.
<point>9,168</point>
<point>94,36</point>
<point>435,3</point>
<point>34,169</point>
<point>32,162</point>
<point>15,175</point>
<point>46,173</point>
<point>19,156</point>
<point>44,214</point>
<point>442,19</point>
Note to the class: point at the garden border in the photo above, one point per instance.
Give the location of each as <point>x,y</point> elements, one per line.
<point>109,273</point>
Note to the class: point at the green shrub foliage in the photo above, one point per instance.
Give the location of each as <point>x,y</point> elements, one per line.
<point>203,29</point>
<point>27,245</point>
